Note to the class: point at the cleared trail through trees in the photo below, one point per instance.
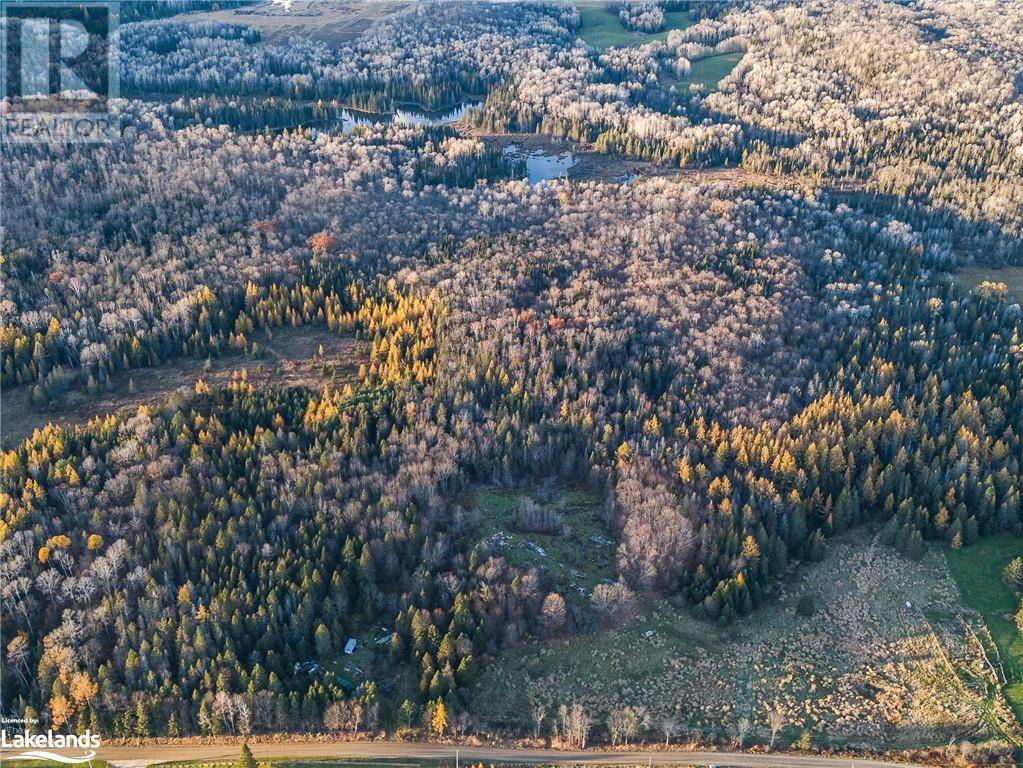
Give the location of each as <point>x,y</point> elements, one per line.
<point>289,356</point>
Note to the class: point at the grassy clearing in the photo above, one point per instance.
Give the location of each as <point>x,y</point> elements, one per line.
<point>707,72</point>
<point>713,69</point>
<point>289,357</point>
<point>978,572</point>
<point>576,559</point>
<point>603,29</point>
<point>863,670</point>
<point>972,277</point>
<point>672,20</point>
<point>325,21</point>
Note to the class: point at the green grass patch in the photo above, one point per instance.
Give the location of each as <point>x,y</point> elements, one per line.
<point>576,559</point>
<point>713,69</point>
<point>672,20</point>
<point>603,29</point>
<point>978,572</point>
<point>349,671</point>
<point>707,72</point>
<point>972,277</point>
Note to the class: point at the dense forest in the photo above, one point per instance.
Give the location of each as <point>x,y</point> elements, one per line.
<point>815,94</point>
<point>741,371</point>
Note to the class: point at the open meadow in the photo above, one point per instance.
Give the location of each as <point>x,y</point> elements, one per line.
<point>978,572</point>
<point>307,355</point>
<point>708,71</point>
<point>324,21</point>
<point>603,29</point>
<point>569,545</point>
<point>1012,277</point>
<point>865,648</point>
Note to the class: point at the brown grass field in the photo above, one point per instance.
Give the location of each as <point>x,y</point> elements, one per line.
<point>888,658</point>
<point>327,21</point>
<point>290,358</point>
<point>1012,277</point>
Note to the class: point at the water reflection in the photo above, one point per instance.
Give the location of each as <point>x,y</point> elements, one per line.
<point>441,117</point>
<point>255,115</point>
<point>349,118</point>
<point>542,165</point>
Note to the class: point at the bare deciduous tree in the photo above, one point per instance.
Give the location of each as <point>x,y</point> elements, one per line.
<point>575,724</point>
<point>539,705</point>
<point>669,726</point>
<point>742,728</point>
<point>776,721</point>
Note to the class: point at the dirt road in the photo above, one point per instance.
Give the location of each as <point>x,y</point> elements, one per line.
<point>138,757</point>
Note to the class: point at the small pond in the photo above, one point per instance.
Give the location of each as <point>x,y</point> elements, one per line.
<point>542,165</point>
<point>349,118</point>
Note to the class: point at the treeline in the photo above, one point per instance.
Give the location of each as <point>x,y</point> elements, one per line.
<point>146,10</point>
<point>640,17</point>
<point>712,151</point>
<point>254,114</point>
